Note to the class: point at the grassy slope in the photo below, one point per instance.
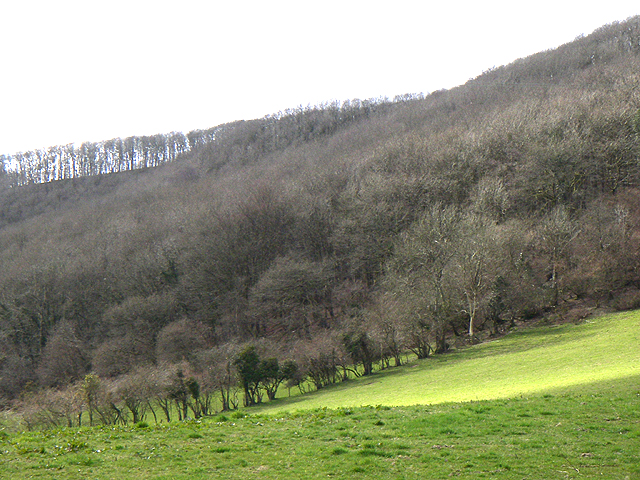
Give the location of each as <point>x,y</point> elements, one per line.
<point>565,403</point>
<point>526,362</point>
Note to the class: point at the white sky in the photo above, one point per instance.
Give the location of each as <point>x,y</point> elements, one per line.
<point>90,70</point>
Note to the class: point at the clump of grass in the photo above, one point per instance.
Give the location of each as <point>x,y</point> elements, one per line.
<point>76,446</point>
<point>345,411</point>
<point>220,449</point>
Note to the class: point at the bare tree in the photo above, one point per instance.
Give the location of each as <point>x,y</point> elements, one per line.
<point>556,232</point>
<point>218,374</point>
<point>63,359</point>
<point>292,295</point>
<point>49,408</point>
<point>90,390</point>
<point>475,265</point>
<point>420,266</point>
<point>385,327</point>
<point>182,340</point>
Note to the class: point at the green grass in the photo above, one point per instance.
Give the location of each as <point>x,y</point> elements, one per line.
<point>522,363</point>
<point>558,402</point>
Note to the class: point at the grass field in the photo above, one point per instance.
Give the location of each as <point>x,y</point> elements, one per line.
<point>545,359</point>
<point>551,402</point>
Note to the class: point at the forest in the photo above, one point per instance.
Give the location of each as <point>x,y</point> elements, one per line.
<point>198,272</point>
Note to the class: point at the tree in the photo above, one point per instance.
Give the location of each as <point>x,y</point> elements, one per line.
<point>217,371</point>
<point>606,248</point>
<point>16,373</point>
<point>50,408</point>
<point>90,392</point>
<point>131,328</point>
<point>320,358</point>
<point>496,303</point>
<point>181,341</point>
<point>63,359</point>
<point>556,232</point>
<point>135,391</point>
<point>290,372</point>
<point>35,305</point>
<point>408,308</point>
<point>179,393</point>
<point>193,386</point>
<point>232,250</point>
<point>361,349</point>
<point>247,364</point>
<point>293,293</point>
<point>491,198</point>
<point>475,263</point>
<point>385,327</point>
<point>418,272</point>
<point>364,235</point>
<point>272,376</point>
<point>118,356</point>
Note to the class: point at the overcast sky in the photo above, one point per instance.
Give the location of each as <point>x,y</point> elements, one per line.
<point>90,70</point>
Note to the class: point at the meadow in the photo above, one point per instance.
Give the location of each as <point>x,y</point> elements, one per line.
<point>541,403</point>
<point>547,359</point>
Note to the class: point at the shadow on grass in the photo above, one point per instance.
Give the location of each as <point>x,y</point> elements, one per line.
<point>524,340</point>
<point>519,341</point>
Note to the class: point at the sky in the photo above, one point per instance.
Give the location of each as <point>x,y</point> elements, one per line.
<point>91,70</point>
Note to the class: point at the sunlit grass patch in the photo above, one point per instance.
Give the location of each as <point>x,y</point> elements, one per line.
<point>544,359</point>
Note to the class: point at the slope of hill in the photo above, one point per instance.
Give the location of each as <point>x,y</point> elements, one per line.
<point>574,416</point>
<point>532,361</point>
<point>337,236</point>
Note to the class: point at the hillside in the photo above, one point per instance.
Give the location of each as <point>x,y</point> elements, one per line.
<point>331,239</point>
<point>529,362</point>
<point>566,404</point>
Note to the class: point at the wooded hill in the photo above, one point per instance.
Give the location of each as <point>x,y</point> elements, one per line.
<point>330,237</point>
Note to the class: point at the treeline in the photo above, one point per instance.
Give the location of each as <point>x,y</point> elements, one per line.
<point>312,251</point>
<point>257,137</point>
<point>173,392</point>
<point>95,158</point>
